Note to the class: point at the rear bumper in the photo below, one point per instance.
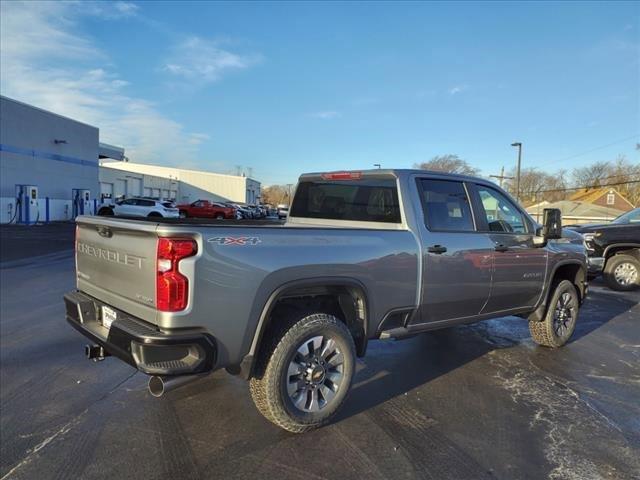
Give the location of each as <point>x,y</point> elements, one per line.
<point>140,344</point>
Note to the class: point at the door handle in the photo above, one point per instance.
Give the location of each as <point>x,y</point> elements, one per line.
<point>436,249</point>
<point>501,248</point>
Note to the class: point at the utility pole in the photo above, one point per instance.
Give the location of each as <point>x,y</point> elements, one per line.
<point>519,145</point>
<point>501,177</point>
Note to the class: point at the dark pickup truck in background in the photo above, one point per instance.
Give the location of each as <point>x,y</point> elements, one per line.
<point>363,255</point>
<point>613,250</point>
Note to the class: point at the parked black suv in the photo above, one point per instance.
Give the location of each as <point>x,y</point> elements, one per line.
<point>614,250</point>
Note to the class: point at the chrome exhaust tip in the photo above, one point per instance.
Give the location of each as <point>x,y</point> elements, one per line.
<point>159,385</point>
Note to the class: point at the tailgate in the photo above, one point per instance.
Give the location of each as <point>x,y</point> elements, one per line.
<point>116,263</point>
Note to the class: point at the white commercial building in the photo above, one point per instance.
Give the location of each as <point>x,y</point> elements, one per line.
<point>48,164</point>
<point>191,185</point>
<point>54,168</point>
<point>116,182</point>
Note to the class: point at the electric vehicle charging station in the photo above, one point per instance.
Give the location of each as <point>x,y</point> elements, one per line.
<point>82,204</point>
<point>27,205</point>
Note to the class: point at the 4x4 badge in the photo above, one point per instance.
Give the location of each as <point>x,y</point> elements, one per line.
<point>235,240</point>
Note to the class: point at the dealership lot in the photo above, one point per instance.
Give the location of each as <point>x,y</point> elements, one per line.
<point>477,401</point>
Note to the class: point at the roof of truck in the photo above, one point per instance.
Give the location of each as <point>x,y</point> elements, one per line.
<point>374,172</point>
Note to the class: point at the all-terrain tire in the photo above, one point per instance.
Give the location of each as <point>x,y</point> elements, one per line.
<point>268,386</point>
<point>546,332</point>
<point>632,266</point>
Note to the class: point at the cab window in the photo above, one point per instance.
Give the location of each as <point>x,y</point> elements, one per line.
<point>501,214</point>
<point>446,205</point>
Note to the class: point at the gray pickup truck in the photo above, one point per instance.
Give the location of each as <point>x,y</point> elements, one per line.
<point>381,254</point>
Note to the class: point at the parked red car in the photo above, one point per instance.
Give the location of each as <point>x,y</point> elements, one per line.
<point>207,209</point>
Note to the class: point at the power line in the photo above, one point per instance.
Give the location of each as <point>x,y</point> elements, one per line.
<point>592,150</point>
<point>587,187</point>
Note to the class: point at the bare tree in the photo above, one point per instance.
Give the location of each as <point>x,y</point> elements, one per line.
<point>276,194</point>
<point>536,186</point>
<point>448,163</point>
<point>594,174</point>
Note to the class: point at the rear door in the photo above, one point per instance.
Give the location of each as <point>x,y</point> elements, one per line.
<point>116,263</point>
<point>457,259</point>
<point>519,267</point>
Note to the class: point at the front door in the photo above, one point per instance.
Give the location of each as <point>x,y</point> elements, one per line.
<point>457,260</point>
<point>519,266</point>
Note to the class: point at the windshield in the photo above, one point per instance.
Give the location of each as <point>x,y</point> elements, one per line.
<point>630,217</point>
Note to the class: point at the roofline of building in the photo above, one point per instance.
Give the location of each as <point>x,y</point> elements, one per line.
<point>106,150</point>
<point>184,169</point>
<point>24,104</point>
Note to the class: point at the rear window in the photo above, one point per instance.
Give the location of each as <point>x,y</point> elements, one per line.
<point>355,200</point>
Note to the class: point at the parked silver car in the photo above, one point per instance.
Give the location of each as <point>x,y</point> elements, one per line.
<point>140,207</point>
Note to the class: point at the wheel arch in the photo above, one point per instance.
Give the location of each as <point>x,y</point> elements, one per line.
<point>105,211</point>
<point>632,249</point>
<point>572,270</point>
<point>328,287</point>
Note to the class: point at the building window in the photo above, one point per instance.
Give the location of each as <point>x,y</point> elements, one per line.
<point>611,199</point>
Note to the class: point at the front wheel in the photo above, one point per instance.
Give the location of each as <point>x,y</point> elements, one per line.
<point>303,378</point>
<point>622,273</point>
<point>560,319</point>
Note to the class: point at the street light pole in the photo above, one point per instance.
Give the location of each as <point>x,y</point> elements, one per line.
<point>519,145</point>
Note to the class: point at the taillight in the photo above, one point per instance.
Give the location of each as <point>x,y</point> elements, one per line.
<point>172,288</point>
<point>342,176</point>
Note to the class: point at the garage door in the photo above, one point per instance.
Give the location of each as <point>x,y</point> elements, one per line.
<point>135,187</point>
<point>120,187</point>
<point>106,190</point>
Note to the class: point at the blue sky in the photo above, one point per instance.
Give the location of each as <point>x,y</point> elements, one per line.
<point>284,88</point>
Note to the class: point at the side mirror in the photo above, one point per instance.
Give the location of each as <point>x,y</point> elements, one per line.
<point>552,223</point>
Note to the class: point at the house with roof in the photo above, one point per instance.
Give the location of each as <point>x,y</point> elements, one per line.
<point>576,212</point>
<point>604,197</point>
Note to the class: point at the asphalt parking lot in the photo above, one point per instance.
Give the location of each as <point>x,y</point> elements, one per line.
<point>476,401</point>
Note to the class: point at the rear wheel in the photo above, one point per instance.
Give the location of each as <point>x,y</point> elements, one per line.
<point>154,215</point>
<point>219,216</point>
<point>303,377</point>
<point>560,319</point>
<point>105,212</point>
<point>183,214</point>
<point>622,273</point>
